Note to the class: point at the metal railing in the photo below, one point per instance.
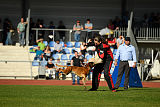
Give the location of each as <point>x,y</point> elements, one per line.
<point>147,33</point>
<point>143,68</point>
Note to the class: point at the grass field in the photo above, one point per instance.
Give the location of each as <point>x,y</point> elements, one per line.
<point>75,96</point>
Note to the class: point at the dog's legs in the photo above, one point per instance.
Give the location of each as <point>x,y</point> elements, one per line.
<point>84,82</point>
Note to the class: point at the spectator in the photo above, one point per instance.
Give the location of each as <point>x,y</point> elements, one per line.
<point>76,61</point>
<point>39,54</point>
<point>21,31</point>
<point>88,27</point>
<point>83,48</point>
<point>84,64</point>
<point>47,53</point>
<point>127,53</point>
<point>51,33</point>
<point>112,41</point>
<point>5,30</point>
<point>117,22</point>
<point>39,24</point>
<point>57,70</point>
<point>90,47</point>
<point>50,70</point>
<point>32,38</point>
<point>9,33</point>
<point>120,40</point>
<point>111,25</point>
<point>41,44</point>
<point>58,48</point>
<point>77,28</point>
<point>61,33</point>
<point>81,57</point>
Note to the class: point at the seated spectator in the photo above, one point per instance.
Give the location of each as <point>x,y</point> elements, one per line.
<point>47,53</point>
<point>41,44</point>
<point>112,41</point>
<point>81,57</point>
<point>90,47</point>
<point>58,48</point>
<point>39,54</point>
<point>83,48</point>
<point>57,70</point>
<point>120,40</point>
<point>50,71</point>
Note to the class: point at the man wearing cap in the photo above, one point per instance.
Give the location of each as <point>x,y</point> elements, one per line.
<point>127,55</point>
<point>77,28</point>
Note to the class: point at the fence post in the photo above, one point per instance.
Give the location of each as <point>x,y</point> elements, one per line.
<point>53,35</point>
<point>36,34</point>
<point>70,34</point>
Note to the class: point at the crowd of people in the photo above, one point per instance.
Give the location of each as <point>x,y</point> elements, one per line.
<point>152,20</point>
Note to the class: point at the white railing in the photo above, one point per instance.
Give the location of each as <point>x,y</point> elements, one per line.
<point>147,33</point>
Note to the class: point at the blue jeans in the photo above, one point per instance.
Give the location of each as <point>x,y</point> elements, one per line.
<point>21,38</point>
<point>73,79</point>
<point>76,37</point>
<point>8,40</point>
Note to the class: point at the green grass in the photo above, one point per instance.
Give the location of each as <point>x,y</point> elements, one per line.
<point>75,96</point>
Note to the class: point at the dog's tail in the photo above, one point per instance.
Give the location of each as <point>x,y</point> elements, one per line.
<point>60,65</point>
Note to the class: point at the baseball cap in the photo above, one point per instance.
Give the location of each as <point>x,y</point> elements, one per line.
<point>78,21</point>
<point>127,39</point>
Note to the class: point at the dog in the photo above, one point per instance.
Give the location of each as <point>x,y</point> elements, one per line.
<point>80,71</point>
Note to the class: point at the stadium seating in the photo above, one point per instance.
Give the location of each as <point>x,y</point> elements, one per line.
<point>45,42</point>
<point>67,51</point>
<point>61,42</point>
<point>77,44</point>
<point>51,43</point>
<point>69,44</point>
<point>35,63</point>
<point>55,56</point>
<point>64,57</point>
<point>70,57</point>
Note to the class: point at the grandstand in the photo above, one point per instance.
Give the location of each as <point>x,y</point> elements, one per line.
<point>17,62</point>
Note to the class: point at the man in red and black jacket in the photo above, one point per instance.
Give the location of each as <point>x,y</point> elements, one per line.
<point>104,52</point>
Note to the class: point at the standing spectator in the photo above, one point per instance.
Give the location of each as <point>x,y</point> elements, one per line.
<point>39,54</point>
<point>127,53</point>
<point>39,24</point>
<point>32,38</point>
<point>120,40</point>
<point>77,28</point>
<point>61,33</point>
<point>111,25</point>
<point>58,48</point>
<point>50,70</point>
<point>88,27</point>
<point>9,33</point>
<point>51,26</point>
<point>76,61</point>
<point>83,48</point>
<point>103,52</point>
<point>41,44</point>
<point>47,53</point>
<point>21,31</point>
<point>5,30</point>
